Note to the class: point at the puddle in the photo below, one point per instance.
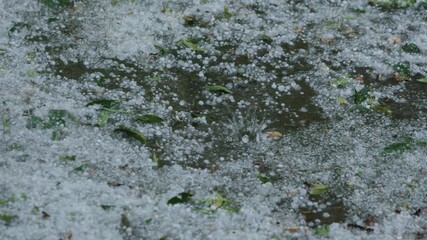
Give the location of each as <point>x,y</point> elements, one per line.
<point>325,210</point>
<point>253,108</point>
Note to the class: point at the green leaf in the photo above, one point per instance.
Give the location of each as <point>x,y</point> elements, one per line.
<point>58,135</point>
<point>225,14</point>
<point>422,80</point>
<point>398,147</point>
<point>34,121</point>
<point>105,103</point>
<point>322,231</point>
<point>14,146</point>
<point>382,108</point>
<point>342,100</point>
<point>24,196</point>
<point>358,10</point>
<point>166,9</point>
<point>3,202</point>
<point>58,3</point>
<point>402,69</point>
<point>32,74</point>
<point>189,20</point>
<point>263,178</point>
<point>80,168</point>
<point>115,2</point>
<point>162,50</point>
<point>318,189</point>
<point>216,88</point>
<point>31,55</point>
<point>36,209</point>
<point>107,207</point>
<point>411,48</point>
<point>56,118</point>
<point>6,120</point>
<point>421,143</point>
<point>100,80</point>
<point>137,135</point>
<point>103,118</point>
<point>150,118</point>
<point>191,45</point>
<point>183,197</point>
<point>218,202</point>
<point>7,218</point>
<point>154,78</point>
<point>393,3</point>
<point>70,158</point>
<point>361,96</point>
<point>265,38</point>
<point>341,82</point>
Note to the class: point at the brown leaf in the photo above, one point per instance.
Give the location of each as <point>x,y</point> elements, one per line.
<point>394,40</point>
<point>274,135</point>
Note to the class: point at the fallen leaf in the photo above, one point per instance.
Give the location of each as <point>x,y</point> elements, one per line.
<point>293,229</point>
<point>274,135</point>
<point>134,133</point>
<point>394,40</point>
<point>318,189</point>
<point>217,88</point>
<point>327,40</point>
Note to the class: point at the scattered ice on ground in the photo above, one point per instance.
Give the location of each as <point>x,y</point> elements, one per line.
<point>66,173</point>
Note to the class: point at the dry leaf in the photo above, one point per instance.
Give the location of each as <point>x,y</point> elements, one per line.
<point>327,40</point>
<point>394,40</point>
<point>399,77</point>
<point>274,135</point>
<point>359,78</point>
<point>293,229</point>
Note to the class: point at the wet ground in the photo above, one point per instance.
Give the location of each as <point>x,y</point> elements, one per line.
<point>302,119</point>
